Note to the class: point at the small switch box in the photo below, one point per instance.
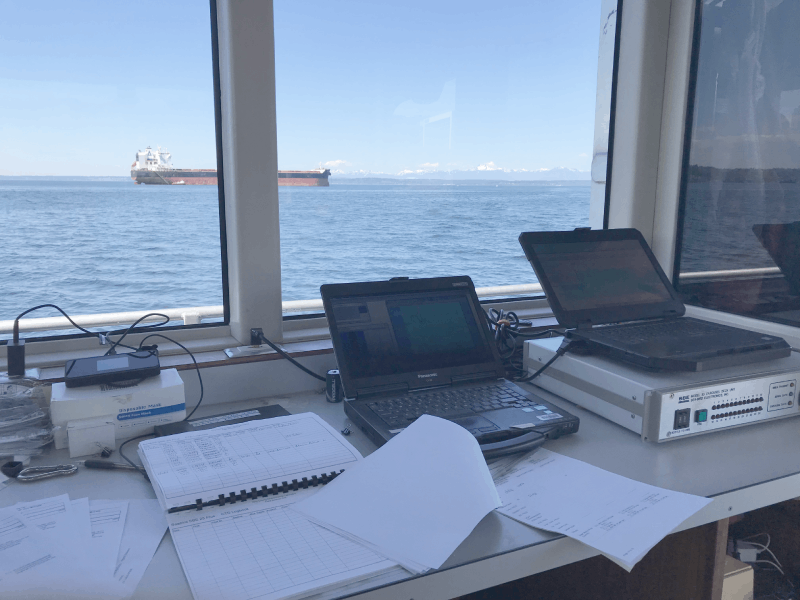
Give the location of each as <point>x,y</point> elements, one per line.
<point>682,418</point>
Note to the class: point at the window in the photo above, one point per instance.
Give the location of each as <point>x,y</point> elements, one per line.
<point>441,130</point>
<point>738,243</point>
<point>97,98</point>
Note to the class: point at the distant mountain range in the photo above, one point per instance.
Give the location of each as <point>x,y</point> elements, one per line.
<point>489,174</point>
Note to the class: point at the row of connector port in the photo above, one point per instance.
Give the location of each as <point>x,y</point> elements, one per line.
<point>738,403</point>
<point>736,413</point>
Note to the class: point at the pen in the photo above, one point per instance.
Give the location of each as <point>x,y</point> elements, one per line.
<point>102,464</point>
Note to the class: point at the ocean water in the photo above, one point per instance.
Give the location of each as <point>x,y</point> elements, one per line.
<point>107,246</point>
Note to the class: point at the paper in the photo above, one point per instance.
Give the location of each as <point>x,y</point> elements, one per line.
<point>54,517</point>
<point>415,499</point>
<point>145,525</point>
<point>107,518</point>
<point>24,553</point>
<point>261,549</point>
<point>72,546</point>
<point>620,517</point>
<point>81,521</point>
<point>205,464</point>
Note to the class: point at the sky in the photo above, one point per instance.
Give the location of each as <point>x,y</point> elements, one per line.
<point>372,87</point>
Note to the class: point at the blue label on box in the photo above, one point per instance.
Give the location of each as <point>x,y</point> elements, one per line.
<point>149,412</point>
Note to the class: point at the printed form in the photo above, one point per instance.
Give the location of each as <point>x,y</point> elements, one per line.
<point>620,517</point>
<point>205,464</point>
<point>261,549</point>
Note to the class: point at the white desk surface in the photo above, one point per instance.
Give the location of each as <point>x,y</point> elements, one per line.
<point>742,469</point>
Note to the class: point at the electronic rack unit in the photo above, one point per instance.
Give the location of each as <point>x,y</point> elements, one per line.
<point>665,406</point>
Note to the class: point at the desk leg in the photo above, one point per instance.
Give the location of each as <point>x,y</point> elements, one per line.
<point>683,566</point>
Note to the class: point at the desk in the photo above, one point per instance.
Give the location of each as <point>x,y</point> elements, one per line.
<point>741,469</point>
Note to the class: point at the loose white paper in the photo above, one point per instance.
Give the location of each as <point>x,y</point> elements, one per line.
<point>107,518</point>
<point>415,499</point>
<point>145,525</point>
<point>620,517</point>
<point>24,552</point>
<point>54,517</point>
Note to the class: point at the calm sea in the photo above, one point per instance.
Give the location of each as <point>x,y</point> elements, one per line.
<point>106,246</point>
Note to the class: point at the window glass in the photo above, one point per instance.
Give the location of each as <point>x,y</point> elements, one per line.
<point>91,92</point>
<point>438,131</point>
<point>739,231</point>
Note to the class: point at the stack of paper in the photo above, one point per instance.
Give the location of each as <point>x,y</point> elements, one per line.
<point>244,543</point>
<point>415,499</point>
<point>77,548</point>
<point>620,517</point>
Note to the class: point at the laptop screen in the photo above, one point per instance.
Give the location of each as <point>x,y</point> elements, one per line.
<point>393,334</point>
<point>594,277</point>
<point>587,275</point>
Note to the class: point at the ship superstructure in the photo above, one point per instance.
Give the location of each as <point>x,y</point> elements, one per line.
<point>154,167</point>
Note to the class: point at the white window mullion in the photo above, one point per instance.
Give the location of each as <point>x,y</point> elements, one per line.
<point>249,141</point>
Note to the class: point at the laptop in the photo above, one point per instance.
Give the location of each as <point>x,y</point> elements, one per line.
<point>410,347</point>
<point>782,241</point>
<point>608,290</point>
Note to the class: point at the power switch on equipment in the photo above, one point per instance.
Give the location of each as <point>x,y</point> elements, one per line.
<point>701,416</point>
<point>682,418</point>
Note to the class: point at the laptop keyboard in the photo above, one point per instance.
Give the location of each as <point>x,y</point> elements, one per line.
<point>677,328</point>
<point>449,403</point>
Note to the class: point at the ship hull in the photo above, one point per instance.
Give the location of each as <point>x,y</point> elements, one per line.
<point>209,177</point>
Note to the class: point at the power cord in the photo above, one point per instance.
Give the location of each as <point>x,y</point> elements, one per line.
<point>508,332</point>
<point>189,416</point>
<point>257,336</point>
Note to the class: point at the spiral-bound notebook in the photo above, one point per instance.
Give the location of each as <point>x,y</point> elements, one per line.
<point>228,493</point>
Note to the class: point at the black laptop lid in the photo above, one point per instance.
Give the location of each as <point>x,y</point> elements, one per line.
<point>602,276</point>
<point>408,334</point>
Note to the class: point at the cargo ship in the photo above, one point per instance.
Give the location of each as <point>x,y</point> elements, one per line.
<point>154,167</point>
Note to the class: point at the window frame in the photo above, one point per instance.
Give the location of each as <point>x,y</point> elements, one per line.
<point>244,79</point>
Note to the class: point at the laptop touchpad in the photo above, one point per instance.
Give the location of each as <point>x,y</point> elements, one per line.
<point>476,424</point>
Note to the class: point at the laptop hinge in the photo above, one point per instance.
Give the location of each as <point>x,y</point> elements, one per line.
<point>486,375</point>
<point>382,390</point>
<point>587,324</point>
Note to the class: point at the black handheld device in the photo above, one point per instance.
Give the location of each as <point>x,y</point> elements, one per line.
<point>112,368</point>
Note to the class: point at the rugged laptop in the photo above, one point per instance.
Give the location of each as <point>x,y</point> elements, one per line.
<point>423,346</point>
<point>607,288</point>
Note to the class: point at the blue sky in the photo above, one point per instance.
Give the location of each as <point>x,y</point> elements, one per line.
<point>83,85</point>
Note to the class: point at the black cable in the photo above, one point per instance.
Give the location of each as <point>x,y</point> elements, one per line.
<point>74,324</point>
<point>293,361</point>
<point>129,329</point>
<point>560,352</point>
<point>127,460</point>
<point>196,366</point>
<point>97,334</point>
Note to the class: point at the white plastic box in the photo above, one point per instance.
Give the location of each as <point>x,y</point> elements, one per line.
<point>135,409</point>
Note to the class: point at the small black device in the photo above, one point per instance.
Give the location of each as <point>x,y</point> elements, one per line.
<point>112,368</point>
<point>607,288</point>
<point>333,386</point>
<point>423,346</point>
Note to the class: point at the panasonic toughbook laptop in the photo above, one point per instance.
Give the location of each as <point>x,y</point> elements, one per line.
<point>607,288</point>
<point>423,346</point>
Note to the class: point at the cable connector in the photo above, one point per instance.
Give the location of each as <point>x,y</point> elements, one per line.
<point>256,335</point>
<point>16,357</point>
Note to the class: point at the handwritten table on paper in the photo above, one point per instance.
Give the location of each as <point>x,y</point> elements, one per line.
<point>249,455</point>
<point>262,549</point>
